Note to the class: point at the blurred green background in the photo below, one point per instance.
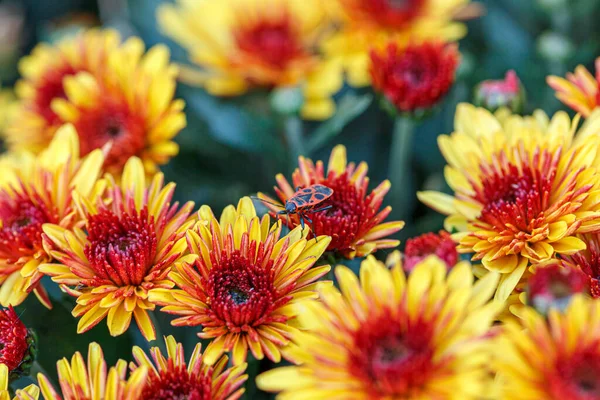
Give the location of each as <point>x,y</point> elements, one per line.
<point>233,148</point>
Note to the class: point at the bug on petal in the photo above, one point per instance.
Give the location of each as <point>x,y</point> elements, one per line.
<point>305,201</point>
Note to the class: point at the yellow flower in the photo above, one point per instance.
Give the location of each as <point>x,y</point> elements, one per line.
<point>245,44</point>
<point>31,392</point>
<point>354,222</point>
<point>371,23</point>
<point>523,188</point>
<point>34,191</point>
<point>553,359</point>
<point>93,380</point>
<point>131,238</point>
<point>242,282</point>
<point>392,337</point>
<point>580,90</point>
<point>172,378</point>
<point>110,91</point>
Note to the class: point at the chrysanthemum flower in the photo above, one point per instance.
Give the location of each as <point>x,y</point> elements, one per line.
<point>245,44</point>
<point>372,23</point>
<point>131,238</point>
<point>555,358</point>
<point>31,392</point>
<point>79,380</point>
<point>110,91</point>
<point>392,337</point>
<point>242,284</point>
<point>523,188</point>
<point>355,221</point>
<point>580,90</point>
<point>173,378</point>
<point>35,191</point>
<point>416,77</point>
<point>440,245</point>
<point>588,261</point>
<point>17,344</point>
<point>553,285</point>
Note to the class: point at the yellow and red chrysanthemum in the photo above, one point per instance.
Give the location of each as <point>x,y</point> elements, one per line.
<point>131,238</point>
<point>551,358</point>
<point>173,378</point>
<point>354,222</point>
<point>35,191</point>
<point>419,248</point>
<point>245,44</point>
<point>243,282</point>
<point>110,91</point>
<point>392,337</point>
<point>580,91</point>
<point>372,23</point>
<point>31,392</point>
<point>416,77</point>
<point>523,188</point>
<point>79,380</point>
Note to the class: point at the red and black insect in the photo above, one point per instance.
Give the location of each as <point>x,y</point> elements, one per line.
<point>306,201</point>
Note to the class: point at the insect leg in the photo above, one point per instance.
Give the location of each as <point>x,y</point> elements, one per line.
<point>322,209</point>
<point>301,220</point>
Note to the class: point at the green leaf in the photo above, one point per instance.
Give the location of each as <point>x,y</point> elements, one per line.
<point>350,107</point>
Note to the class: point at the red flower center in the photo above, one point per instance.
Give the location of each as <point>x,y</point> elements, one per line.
<point>391,359</point>
<point>419,248</point>
<point>13,339</point>
<point>50,88</point>
<point>350,217</point>
<point>176,383</point>
<point>577,376</point>
<point>415,77</point>
<point>121,249</point>
<point>516,197</point>
<point>112,120</point>
<point>242,293</point>
<point>274,42</point>
<point>391,14</point>
<point>22,220</point>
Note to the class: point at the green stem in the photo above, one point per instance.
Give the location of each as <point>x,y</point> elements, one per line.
<point>294,136</point>
<point>400,164</point>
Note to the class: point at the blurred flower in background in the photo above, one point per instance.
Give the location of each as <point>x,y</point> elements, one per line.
<point>131,238</point>
<point>371,23</point>
<point>246,44</point>
<point>173,378</point>
<point>110,91</point>
<point>419,248</point>
<point>416,77</point>
<point>558,357</point>
<point>587,261</point>
<point>354,222</point>
<point>243,283</point>
<point>36,190</point>
<point>80,380</point>
<point>553,285</point>
<point>523,188</point>
<point>385,337</point>
<point>494,94</point>
<point>580,90</point>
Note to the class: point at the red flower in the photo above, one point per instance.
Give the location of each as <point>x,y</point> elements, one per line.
<point>553,285</point>
<point>507,92</point>
<point>415,77</point>
<point>440,245</point>
<point>15,339</point>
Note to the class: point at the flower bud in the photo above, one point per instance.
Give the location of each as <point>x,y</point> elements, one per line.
<point>17,344</point>
<point>494,94</point>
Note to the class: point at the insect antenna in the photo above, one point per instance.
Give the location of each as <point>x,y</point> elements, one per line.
<point>266,201</point>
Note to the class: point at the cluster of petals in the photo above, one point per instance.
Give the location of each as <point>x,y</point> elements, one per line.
<point>131,237</point>
<point>354,221</point>
<point>525,188</point>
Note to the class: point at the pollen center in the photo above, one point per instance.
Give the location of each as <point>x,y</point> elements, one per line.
<point>273,42</point>
<point>22,220</point>
<point>391,360</point>
<point>241,292</point>
<point>122,248</point>
<point>176,383</point>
